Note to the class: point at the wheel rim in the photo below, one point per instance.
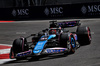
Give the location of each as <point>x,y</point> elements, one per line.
<point>69,46</point>
<point>89,34</point>
<point>72,48</point>
<point>12,54</point>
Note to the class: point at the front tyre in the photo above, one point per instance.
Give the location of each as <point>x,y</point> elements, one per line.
<point>19,45</point>
<point>68,41</point>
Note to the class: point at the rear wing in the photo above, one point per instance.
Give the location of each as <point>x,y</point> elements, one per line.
<point>64,24</point>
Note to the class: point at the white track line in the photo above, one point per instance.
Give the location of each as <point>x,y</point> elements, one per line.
<point>42,21</point>
<point>6,45</point>
<point>6,60</point>
<point>4,51</point>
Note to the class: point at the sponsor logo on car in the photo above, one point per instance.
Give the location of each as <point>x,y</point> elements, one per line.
<point>54,50</point>
<point>24,53</point>
<point>44,38</point>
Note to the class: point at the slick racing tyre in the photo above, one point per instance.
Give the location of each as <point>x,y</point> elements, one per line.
<point>20,45</point>
<point>65,41</point>
<point>84,35</point>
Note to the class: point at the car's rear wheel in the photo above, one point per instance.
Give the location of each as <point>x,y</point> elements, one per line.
<point>84,35</point>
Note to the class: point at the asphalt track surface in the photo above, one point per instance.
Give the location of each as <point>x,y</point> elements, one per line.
<point>88,55</point>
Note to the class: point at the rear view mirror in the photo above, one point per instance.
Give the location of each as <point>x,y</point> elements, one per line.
<point>43,30</point>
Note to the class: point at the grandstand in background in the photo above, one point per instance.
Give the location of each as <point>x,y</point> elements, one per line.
<point>27,3</point>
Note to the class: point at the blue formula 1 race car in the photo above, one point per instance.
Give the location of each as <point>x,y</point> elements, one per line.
<point>56,39</point>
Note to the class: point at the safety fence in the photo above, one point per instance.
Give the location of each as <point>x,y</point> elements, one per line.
<point>84,10</point>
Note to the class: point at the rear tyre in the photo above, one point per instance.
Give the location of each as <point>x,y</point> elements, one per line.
<point>84,35</point>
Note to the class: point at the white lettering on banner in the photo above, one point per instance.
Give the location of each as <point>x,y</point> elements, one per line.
<point>23,11</point>
<point>94,8</point>
<point>91,9</point>
<point>56,10</point>
<point>53,11</point>
<point>20,12</point>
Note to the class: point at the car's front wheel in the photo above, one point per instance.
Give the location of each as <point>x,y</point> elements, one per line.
<point>68,41</point>
<point>19,45</point>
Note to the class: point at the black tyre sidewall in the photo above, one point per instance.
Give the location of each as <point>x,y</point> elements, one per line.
<point>83,34</point>
<point>17,46</point>
<point>63,41</point>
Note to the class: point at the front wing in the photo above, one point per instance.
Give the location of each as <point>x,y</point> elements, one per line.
<point>45,51</point>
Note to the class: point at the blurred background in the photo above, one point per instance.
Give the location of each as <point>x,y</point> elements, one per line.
<point>26,3</point>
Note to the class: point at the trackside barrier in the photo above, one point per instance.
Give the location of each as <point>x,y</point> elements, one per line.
<point>53,11</point>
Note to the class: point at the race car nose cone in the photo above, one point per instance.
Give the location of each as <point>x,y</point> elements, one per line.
<point>37,51</point>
